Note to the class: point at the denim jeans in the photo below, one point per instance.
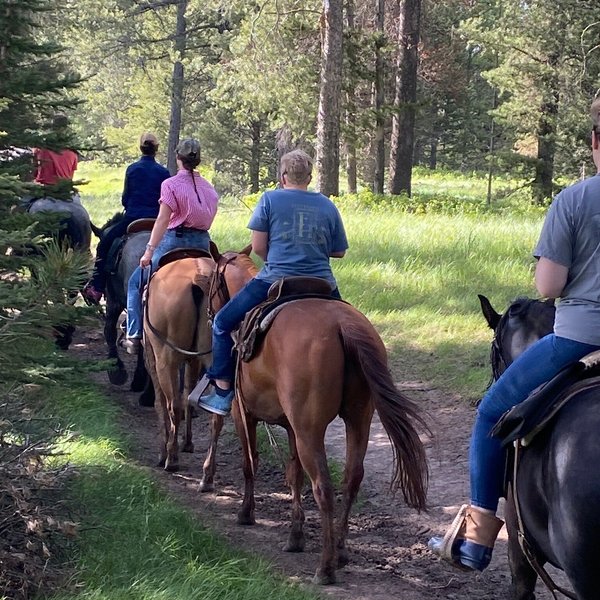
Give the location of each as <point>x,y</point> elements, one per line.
<point>538,364</point>
<point>139,278</point>
<point>228,318</point>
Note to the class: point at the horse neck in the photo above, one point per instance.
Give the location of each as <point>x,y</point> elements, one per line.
<point>238,273</point>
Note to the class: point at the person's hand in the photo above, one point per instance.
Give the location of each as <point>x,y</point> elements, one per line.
<point>146,259</point>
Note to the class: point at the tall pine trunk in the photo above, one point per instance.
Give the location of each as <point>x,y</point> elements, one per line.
<point>328,118</point>
<point>546,135</point>
<point>403,120</point>
<point>177,82</point>
<point>379,175</point>
<point>350,129</point>
<point>255,156</point>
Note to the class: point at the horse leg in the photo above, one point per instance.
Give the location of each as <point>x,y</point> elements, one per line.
<point>117,375</point>
<point>294,475</point>
<point>167,373</point>
<point>209,467</point>
<point>160,406</point>
<point>311,451</point>
<point>358,424</point>
<point>523,577</point>
<point>246,430</point>
<point>190,376</point>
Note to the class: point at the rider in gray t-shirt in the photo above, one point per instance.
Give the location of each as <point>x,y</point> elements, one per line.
<point>568,268</point>
<point>571,238</point>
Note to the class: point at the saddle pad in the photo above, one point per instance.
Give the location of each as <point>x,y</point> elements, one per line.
<point>258,321</point>
<point>527,419</point>
<point>179,253</point>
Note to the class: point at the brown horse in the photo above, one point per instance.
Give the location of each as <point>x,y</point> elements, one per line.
<point>321,359</point>
<point>176,335</point>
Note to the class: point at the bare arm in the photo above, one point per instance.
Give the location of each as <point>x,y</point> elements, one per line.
<point>260,243</point>
<point>550,278</point>
<point>160,226</point>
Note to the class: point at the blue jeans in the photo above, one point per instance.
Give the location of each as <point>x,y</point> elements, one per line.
<point>228,318</point>
<point>135,287</point>
<point>538,364</point>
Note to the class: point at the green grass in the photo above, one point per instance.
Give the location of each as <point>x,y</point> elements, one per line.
<point>415,275</point>
<point>135,543</point>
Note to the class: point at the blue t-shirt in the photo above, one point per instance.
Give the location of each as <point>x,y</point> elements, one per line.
<point>571,237</point>
<point>304,229</point>
<point>142,188</point>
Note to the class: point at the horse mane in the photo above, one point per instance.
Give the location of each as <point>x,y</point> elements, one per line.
<point>118,216</point>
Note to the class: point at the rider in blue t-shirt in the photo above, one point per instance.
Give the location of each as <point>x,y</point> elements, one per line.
<point>295,232</point>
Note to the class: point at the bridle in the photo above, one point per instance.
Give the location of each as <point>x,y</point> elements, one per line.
<point>218,293</point>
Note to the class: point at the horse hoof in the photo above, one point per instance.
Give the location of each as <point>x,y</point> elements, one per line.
<point>206,486</point>
<point>144,400</point>
<point>294,546</point>
<point>343,558</point>
<point>322,578</point>
<point>137,386</point>
<point>117,376</point>
<point>245,519</point>
<point>188,448</point>
<point>171,467</point>
<point>161,463</point>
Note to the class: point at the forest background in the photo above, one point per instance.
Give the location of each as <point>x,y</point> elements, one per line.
<point>375,87</point>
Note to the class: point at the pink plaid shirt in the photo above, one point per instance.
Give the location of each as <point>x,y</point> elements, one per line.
<point>188,209</point>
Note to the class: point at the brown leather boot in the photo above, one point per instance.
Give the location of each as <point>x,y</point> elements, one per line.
<point>469,541</point>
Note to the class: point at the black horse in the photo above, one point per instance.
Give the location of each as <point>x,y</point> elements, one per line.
<point>116,302</point>
<point>75,232</point>
<point>557,484</point>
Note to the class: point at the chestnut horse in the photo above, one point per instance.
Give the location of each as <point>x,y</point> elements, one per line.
<point>176,335</point>
<point>320,359</point>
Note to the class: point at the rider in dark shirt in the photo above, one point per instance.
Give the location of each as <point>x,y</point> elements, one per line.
<point>140,197</point>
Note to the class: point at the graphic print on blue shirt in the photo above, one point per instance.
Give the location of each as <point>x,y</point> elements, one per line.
<point>304,229</point>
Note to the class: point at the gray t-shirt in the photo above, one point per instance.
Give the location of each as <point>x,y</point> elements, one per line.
<point>304,229</point>
<point>571,237</point>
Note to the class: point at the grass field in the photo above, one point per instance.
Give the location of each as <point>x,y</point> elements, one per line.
<point>415,275</point>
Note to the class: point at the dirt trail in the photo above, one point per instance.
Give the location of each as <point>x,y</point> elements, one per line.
<point>387,541</point>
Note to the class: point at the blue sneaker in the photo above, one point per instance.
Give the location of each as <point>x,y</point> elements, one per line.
<point>465,555</point>
<point>220,405</point>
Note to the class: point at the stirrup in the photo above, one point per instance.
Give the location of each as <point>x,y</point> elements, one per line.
<point>453,533</point>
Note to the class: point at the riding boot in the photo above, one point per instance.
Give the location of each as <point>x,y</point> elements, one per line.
<point>469,541</point>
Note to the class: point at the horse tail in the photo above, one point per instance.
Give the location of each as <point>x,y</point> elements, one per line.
<point>399,415</point>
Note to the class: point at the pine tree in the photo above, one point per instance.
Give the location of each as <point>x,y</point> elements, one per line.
<point>33,86</point>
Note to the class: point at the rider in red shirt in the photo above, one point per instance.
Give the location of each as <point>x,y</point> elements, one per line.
<point>51,166</point>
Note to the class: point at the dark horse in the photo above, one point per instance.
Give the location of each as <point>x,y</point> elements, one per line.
<point>320,359</point>
<point>557,484</point>
<point>75,232</point>
<point>116,302</point>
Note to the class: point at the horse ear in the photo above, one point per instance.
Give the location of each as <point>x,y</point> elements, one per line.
<point>96,230</point>
<point>246,250</point>
<point>491,316</point>
<point>214,251</point>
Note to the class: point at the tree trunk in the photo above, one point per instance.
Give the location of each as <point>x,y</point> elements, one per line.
<point>328,118</point>
<point>379,175</point>
<point>403,120</point>
<point>177,82</point>
<point>284,142</point>
<point>350,134</point>
<point>255,157</point>
<point>546,136</point>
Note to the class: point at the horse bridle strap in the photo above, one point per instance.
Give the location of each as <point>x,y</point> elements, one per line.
<point>525,547</point>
